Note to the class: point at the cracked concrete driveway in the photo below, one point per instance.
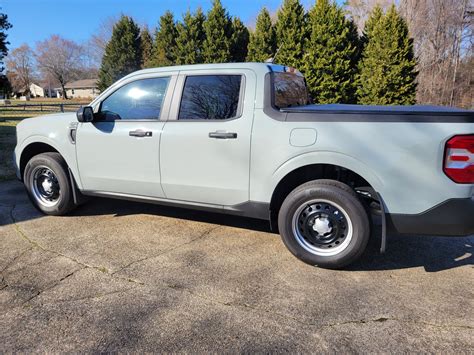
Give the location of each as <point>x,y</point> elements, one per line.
<point>134,277</point>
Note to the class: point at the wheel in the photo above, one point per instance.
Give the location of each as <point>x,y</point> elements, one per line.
<point>323,223</point>
<point>47,183</point>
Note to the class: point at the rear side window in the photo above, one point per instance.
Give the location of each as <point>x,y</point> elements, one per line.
<point>138,100</point>
<point>210,97</point>
<point>289,90</point>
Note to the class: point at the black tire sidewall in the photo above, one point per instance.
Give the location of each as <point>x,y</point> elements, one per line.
<point>351,205</point>
<point>54,162</point>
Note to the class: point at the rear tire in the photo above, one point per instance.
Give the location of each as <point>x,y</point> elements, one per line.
<point>47,182</point>
<point>323,223</point>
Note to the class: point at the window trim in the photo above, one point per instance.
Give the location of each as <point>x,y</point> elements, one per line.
<point>179,89</point>
<point>165,109</point>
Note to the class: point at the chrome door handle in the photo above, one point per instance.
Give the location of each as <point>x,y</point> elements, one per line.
<point>140,133</point>
<point>222,135</point>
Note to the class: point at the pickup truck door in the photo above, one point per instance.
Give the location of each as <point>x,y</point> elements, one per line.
<point>205,144</point>
<point>119,152</point>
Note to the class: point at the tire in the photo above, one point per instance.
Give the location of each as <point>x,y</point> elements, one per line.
<point>47,182</point>
<point>323,223</point>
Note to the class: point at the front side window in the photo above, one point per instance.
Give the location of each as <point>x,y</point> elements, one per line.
<point>138,100</point>
<point>210,97</point>
<point>289,89</point>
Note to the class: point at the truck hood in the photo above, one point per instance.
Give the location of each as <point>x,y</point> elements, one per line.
<point>48,126</point>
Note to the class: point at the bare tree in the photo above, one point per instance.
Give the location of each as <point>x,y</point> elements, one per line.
<point>359,10</point>
<point>61,59</point>
<point>443,39</point>
<point>21,68</point>
<point>100,38</point>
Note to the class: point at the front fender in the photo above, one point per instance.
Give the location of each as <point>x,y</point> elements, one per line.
<point>61,144</point>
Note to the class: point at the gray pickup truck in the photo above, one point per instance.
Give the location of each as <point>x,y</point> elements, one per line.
<point>242,138</point>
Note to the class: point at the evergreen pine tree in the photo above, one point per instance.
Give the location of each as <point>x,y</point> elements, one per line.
<point>291,33</point>
<point>218,32</point>
<point>190,37</point>
<point>374,18</point>
<point>165,41</point>
<point>331,54</point>
<point>122,53</point>
<point>4,26</point>
<point>239,41</point>
<point>147,48</point>
<point>387,74</point>
<point>262,45</point>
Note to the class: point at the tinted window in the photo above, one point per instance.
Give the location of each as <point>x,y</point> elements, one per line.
<point>289,90</point>
<point>139,100</point>
<point>210,97</point>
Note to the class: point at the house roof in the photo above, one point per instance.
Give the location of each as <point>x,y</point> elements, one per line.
<point>82,84</point>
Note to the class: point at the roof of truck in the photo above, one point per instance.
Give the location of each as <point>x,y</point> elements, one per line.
<point>257,67</point>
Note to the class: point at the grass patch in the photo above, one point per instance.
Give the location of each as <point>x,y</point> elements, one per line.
<point>7,144</point>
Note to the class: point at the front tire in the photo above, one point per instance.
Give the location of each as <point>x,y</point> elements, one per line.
<point>324,224</point>
<point>47,182</point>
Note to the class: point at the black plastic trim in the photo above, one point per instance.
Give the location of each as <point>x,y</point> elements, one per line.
<point>258,210</point>
<point>454,217</point>
<point>78,197</point>
<point>378,116</point>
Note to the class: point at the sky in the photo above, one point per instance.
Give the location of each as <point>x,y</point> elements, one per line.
<point>36,20</point>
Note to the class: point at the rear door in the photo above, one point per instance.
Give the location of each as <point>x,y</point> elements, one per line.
<point>205,145</point>
<point>119,151</point>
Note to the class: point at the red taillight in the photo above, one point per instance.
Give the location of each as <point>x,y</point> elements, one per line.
<point>459,159</point>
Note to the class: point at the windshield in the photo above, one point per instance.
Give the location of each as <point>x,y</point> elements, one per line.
<point>289,90</point>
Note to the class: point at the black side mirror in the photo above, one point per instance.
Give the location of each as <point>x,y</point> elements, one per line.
<point>85,114</point>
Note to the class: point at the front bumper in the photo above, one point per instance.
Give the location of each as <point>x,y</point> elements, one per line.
<point>454,217</point>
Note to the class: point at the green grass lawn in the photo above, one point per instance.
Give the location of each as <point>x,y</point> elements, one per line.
<point>7,144</point>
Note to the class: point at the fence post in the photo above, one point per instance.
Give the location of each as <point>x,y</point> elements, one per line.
<point>62,107</point>
<point>41,105</point>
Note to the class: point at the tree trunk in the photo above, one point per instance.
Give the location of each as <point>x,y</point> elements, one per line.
<point>64,91</point>
<point>457,53</point>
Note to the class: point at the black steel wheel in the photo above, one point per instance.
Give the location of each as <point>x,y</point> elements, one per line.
<point>47,182</point>
<point>324,224</point>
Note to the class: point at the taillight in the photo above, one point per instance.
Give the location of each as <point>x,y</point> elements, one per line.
<point>459,159</point>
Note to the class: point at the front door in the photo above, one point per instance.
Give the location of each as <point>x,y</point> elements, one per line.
<point>119,151</point>
<point>205,145</point>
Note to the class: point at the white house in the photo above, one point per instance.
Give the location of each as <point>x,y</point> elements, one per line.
<point>86,88</point>
<point>37,90</point>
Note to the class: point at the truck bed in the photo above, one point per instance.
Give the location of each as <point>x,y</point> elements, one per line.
<point>423,113</point>
<point>387,110</point>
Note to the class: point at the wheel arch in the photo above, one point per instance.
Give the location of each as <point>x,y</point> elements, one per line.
<point>32,150</point>
<point>324,165</point>
<point>35,145</point>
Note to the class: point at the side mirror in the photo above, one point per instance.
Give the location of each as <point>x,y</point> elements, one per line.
<point>85,114</point>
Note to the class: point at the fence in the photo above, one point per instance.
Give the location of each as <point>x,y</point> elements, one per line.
<point>20,111</point>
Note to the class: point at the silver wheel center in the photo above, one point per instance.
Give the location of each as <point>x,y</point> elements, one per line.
<point>322,225</point>
<point>47,185</point>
